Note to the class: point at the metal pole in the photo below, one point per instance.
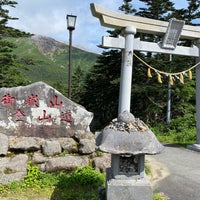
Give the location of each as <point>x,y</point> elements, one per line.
<point>126,71</point>
<point>70,65</point>
<point>169,97</point>
<point>198,96</point>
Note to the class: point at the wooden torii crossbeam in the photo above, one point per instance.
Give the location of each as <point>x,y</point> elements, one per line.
<point>131,24</point>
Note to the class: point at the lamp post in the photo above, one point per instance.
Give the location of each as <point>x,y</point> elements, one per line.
<point>71,21</point>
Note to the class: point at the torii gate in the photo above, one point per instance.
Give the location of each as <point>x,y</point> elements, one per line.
<point>131,24</point>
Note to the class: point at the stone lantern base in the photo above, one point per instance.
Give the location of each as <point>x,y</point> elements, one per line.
<point>131,189</point>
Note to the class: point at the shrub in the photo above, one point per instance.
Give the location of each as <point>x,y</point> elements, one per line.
<point>87,176</point>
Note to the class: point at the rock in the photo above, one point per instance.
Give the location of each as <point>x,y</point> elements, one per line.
<point>38,110</point>
<point>25,143</point>
<point>69,145</point>
<point>18,163</point>
<point>103,162</point>
<point>87,146</point>
<point>68,163</point>
<point>83,135</point>
<point>3,144</point>
<point>13,168</point>
<point>8,178</point>
<point>39,158</point>
<point>126,117</point>
<point>51,148</point>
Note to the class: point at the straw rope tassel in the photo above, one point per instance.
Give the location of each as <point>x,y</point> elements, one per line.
<point>190,74</point>
<point>149,73</point>
<point>181,78</point>
<point>159,78</point>
<point>171,81</point>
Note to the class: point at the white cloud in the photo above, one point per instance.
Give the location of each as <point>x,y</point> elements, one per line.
<point>48,17</point>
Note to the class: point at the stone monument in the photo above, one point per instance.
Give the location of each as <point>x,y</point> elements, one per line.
<point>38,110</point>
<point>128,139</point>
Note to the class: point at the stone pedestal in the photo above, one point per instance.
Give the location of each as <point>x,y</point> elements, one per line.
<point>131,189</point>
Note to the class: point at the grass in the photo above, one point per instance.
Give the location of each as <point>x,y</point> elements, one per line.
<point>82,184</point>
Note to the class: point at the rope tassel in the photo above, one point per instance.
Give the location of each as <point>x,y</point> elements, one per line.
<point>181,78</point>
<point>172,76</point>
<point>149,73</point>
<point>190,74</point>
<point>159,78</point>
<point>171,81</point>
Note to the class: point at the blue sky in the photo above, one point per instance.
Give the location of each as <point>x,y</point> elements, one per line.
<point>48,17</point>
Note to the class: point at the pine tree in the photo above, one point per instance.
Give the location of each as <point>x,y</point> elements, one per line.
<point>10,66</point>
<point>157,95</point>
<point>156,9</point>
<point>189,14</point>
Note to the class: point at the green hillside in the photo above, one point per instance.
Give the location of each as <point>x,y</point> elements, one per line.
<point>47,59</point>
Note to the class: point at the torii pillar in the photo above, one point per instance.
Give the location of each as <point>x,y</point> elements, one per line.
<point>126,70</point>
<point>196,147</point>
<point>112,19</point>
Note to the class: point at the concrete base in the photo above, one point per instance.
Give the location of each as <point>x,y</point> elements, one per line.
<point>194,147</point>
<point>127,189</point>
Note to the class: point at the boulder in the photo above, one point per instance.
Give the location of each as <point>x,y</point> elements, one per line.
<point>67,163</point>
<point>12,169</point>
<point>87,146</point>
<point>39,158</point>
<point>25,143</point>
<point>69,145</point>
<point>81,134</point>
<point>51,148</point>
<point>38,110</point>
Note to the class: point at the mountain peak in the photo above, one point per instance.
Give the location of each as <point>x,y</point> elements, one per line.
<point>46,44</point>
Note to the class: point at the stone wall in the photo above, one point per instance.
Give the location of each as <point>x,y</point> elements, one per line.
<point>50,155</point>
<point>39,125</point>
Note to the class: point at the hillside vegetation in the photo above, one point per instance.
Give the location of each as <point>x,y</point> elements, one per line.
<point>47,59</point>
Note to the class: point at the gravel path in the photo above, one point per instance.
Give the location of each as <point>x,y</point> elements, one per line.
<point>176,173</point>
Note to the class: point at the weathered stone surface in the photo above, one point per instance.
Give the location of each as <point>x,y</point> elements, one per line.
<point>13,168</point>
<point>25,143</point>
<point>118,189</point>
<point>126,117</point>
<point>132,137</point>
<point>103,162</point>
<point>41,111</point>
<point>69,144</point>
<point>51,148</point>
<point>87,146</point>
<point>81,134</point>
<point>122,142</point>
<point>39,158</point>
<point>67,163</point>
<point>3,144</point>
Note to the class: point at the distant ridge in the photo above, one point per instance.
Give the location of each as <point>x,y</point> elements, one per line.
<point>47,58</point>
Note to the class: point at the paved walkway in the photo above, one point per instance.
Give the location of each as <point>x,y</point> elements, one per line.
<point>177,173</point>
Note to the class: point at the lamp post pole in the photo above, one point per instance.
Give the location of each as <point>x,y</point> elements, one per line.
<point>71,21</point>
<point>70,65</point>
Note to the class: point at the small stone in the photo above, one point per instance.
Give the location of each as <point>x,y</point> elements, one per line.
<point>126,117</point>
